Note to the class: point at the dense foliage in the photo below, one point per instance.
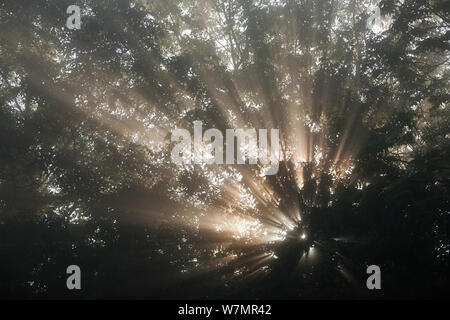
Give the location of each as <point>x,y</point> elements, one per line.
<point>86,118</point>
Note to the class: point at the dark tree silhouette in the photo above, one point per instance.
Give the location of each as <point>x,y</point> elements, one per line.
<point>86,176</point>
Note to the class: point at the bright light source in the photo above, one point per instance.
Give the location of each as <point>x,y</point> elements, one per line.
<point>303,236</point>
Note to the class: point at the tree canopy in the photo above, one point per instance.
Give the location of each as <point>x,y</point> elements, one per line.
<point>86,118</point>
